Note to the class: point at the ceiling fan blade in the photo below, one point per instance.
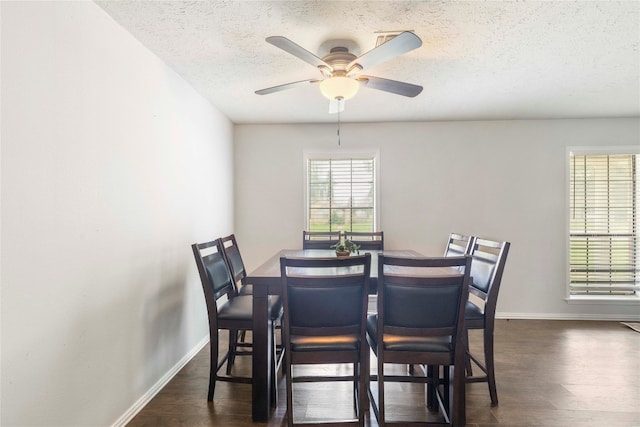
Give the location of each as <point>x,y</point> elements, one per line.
<point>336,106</point>
<point>393,86</point>
<point>402,43</point>
<point>285,86</point>
<point>298,51</point>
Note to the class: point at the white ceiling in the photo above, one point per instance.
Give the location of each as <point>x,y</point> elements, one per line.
<point>479,60</point>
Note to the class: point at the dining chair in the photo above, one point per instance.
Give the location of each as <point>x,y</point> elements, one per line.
<point>367,240</point>
<point>420,320</point>
<point>325,306</point>
<point>489,259</point>
<point>227,311</point>
<point>239,274</point>
<point>458,245</point>
<point>319,239</point>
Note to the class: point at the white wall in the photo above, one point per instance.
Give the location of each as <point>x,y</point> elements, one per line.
<point>111,167</point>
<point>499,179</point>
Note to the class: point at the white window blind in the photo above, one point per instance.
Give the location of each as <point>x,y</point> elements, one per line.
<point>603,239</point>
<point>341,194</point>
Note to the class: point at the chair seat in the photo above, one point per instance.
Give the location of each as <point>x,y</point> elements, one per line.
<point>474,317</point>
<point>404,343</point>
<point>240,308</point>
<point>321,343</point>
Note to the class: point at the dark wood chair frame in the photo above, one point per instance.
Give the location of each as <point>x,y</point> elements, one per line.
<point>415,340</point>
<point>319,239</point>
<point>239,274</point>
<point>318,329</point>
<point>234,314</point>
<point>458,245</point>
<point>234,259</point>
<point>489,259</point>
<point>372,241</point>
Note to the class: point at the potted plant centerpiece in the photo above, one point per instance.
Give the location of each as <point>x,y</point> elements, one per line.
<point>345,246</point>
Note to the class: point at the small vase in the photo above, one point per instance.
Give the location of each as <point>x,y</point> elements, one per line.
<point>342,254</point>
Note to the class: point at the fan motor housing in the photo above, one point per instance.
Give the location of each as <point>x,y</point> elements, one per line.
<point>339,57</point>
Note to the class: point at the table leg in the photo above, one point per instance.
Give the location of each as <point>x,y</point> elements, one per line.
<point>261,373</point>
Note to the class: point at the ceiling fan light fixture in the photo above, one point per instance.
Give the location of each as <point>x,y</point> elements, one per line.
<point>339,87</point>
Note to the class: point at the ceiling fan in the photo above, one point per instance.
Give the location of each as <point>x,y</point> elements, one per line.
<point>341,69</point>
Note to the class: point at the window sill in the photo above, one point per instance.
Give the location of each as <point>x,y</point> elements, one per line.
<point>603,299</point>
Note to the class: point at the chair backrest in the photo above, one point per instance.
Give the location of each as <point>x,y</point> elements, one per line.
<point>458,245</point>
<point>325,296</point>
<point>319,239</point>
<point>489,258</point>
<point>422,296</point>
<point>214,274</point>
<point>234,259</point>
<point>373,240</point>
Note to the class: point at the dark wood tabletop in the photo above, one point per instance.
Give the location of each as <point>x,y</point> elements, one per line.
<point>268,274</point>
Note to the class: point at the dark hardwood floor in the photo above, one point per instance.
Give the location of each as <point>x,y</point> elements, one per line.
<point>549,373</point>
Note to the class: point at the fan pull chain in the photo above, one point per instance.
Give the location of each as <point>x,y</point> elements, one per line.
<point>338,128</point>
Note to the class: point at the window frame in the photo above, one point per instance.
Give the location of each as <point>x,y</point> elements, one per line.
<point>596,298</point>
<point>341,155</point>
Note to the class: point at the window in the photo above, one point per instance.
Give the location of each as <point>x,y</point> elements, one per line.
<point>603,229</point>
<point>341,193</point>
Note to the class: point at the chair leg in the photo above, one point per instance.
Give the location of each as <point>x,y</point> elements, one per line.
<point>490,366</point>
<point>365,372</point>
<point>358,392</point>
<point>457,414</point>
<point>381,411</point>
<point>288,374</point>
<point>213,365</point>
<point>363,400</point>
<point>233,342</point>
<point>355,383</point>
<point>432,385</point>
<point>448,390</point>
<point>274,368</point>
<point>467,359</point>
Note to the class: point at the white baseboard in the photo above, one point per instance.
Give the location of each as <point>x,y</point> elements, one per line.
<point>151,393</point>
<point>566,316</point>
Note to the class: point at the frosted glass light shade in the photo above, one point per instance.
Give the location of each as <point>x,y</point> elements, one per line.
<point>339,87</point>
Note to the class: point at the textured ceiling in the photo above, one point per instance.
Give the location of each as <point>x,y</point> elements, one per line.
<point>478,61</point>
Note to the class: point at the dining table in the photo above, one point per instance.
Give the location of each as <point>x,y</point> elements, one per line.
<point>266,281</point>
